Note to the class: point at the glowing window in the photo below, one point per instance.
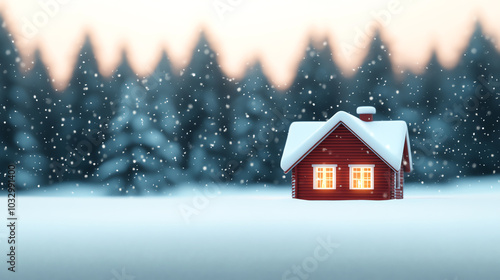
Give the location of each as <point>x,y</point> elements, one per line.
<point>324,176</point>
<point>361,177</point>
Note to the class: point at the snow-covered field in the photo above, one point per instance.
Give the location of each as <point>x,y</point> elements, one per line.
<point>448,232</point>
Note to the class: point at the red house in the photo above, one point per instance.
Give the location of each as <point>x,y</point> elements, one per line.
<point>347,157</point>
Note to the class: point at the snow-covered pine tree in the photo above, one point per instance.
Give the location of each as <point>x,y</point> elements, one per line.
<point>316,91</point>
<point>374,83</point>
<point>9,66</point>
<point>204,103</point>
<point>429,130</point>
<point>26,149</point>
<point>255,116</point>
<point>479,131</point>
<point>162,90</point>
<point>328,82</point>
<point>43,113</point>
<point>84,111</point>
<point>136,151</point>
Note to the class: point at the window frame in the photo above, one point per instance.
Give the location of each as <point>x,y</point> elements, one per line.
<point>334,176</point>
<point>372,166</point>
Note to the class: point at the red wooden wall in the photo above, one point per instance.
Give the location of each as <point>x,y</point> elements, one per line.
<point>399,193</point>
<point>342,147</point>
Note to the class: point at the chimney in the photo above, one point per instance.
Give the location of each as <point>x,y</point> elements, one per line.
<point>366,113</point>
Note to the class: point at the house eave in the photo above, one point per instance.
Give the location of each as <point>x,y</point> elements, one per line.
<point>360,139</point>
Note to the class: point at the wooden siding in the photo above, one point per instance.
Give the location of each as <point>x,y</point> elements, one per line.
<point>393,184</point>
<point>294,178</point>
<point>342,147</point>
<point>399,192</point>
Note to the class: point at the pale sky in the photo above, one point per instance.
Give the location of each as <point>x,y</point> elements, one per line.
<point>276,32</point>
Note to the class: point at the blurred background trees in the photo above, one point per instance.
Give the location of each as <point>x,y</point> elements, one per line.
<point>143,134</point>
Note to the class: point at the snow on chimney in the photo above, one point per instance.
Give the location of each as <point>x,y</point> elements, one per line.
<point>366,113</point>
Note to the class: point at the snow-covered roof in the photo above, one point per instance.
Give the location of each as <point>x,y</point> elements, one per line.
<point>385,138</point>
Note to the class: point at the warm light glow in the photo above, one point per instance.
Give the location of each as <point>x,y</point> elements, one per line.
<point>324,177</point>
<point>361,177</point>
<point>275,32</point>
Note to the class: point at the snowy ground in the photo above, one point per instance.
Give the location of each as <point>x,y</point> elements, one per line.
<point>451,232</point>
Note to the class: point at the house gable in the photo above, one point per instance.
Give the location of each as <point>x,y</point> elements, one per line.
<point>342,147</point>
<point>388,139</point>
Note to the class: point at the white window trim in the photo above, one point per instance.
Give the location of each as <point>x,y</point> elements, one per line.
<point>362,165</point>
<point>334,176</point>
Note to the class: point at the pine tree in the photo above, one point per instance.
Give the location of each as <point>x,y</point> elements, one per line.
<point>84,111</point>
<point>9,66</point>
<point>204,105</point>
<point>162,90</point>
<point>134,153</point>
<point>254,118</point>
<point>47,118</point>
<point>479,101</point>
<point>141,153</point>
<point>28,122</point>
<point>27,149</point>
<point>374,83</point>
<point>425,134</point>
<point>318,87</point>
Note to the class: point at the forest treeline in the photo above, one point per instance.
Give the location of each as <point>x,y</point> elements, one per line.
<point>143,134</point>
